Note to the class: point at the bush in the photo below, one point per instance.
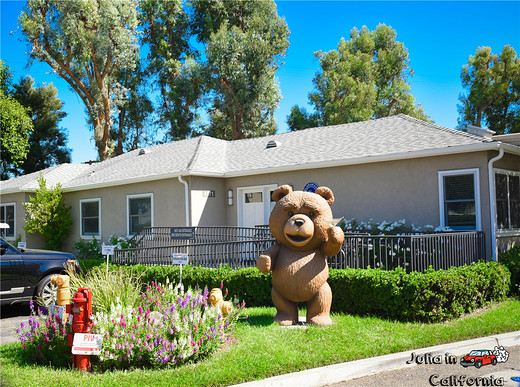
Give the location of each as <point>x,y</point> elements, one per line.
<point>48,215</point>
<point>84,249</point>
<point>170,327</point>
<point>44,338</point>
<point>430,297</point>
<point>511,260</point>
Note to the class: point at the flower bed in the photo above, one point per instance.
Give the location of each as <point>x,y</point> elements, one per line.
<point>169,327</point>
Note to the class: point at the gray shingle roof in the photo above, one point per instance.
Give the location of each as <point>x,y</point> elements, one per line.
<point>398,136</point>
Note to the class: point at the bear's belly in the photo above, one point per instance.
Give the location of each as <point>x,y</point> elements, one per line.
<point>298,275</point>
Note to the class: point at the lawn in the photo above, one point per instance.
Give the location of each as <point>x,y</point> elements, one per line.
<point>260,348</point>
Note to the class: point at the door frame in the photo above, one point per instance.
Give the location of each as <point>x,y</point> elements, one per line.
<point>266,199</point>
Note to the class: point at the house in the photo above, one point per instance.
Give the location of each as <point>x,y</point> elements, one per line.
<point>385,169</point>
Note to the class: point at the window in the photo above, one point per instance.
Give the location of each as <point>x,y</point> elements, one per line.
<point>90,210</point>
<point>459,199</point>
<point>8,215</point>
<point>507,188</point>
<point>140,212</point>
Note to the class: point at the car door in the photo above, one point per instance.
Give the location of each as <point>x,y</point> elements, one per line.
<point>12,272</point>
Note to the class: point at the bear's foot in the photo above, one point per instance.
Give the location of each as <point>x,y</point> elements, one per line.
<point>320,319</point>
<point>285,319</point>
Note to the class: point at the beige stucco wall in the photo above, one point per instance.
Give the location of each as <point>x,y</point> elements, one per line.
<point>168,206</point>
<point>32,240</point>
<point>394,190</point>
<point>207,210</point>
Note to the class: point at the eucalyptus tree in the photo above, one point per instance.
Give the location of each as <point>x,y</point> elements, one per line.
<point>174,64</point>
<point>364,78</point>
<point>85,42</point>
<point>244,42</point>
<point>492,84</point>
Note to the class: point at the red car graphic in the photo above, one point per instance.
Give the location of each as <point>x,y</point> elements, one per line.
<point>478,358</point>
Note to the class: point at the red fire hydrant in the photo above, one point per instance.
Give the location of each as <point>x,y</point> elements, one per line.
<point>81,309</point>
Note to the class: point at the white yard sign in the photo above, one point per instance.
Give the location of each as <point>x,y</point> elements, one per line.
<point>87,344</point>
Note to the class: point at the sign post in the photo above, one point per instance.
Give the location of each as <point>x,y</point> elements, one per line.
<point>107,250</point>
<point>180,259</point>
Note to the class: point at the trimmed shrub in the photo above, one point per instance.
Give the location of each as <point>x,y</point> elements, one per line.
<point>511,260</point>
<point>429,297</point>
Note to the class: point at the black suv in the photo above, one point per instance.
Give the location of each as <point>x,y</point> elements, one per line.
<point>26,274</point>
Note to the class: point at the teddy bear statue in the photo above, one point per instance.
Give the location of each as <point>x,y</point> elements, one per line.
<point>301,224</point>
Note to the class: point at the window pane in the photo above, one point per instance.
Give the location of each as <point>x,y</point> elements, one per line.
<point>459,187</point>
<point>140,206</point>
<point>253,197</point>
<point>502,215</point>
<point>90,226</point>
<point>7,216</point>
<point>140,214</point>
<point>90,209</point>
<point>501,186</point>
<point>461,214</point>
<point>514,200</point>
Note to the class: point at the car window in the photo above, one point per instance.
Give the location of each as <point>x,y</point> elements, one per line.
<point>6,247</point>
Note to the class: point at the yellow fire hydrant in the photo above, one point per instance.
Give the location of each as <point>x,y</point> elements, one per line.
<point>63,292</point>
<point>217,300</point>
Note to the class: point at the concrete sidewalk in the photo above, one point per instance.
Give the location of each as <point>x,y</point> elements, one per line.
<point>343,372</point>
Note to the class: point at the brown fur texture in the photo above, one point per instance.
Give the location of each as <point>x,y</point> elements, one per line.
<point>299,222</point>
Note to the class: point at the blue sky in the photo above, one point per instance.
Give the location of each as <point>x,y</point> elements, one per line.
<point>440,37</point>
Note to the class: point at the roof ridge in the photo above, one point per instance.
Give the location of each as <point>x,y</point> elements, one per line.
<point>443,128</point>
<point>196,154</point>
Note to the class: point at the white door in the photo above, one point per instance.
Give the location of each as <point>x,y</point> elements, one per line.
<point>254,205</point>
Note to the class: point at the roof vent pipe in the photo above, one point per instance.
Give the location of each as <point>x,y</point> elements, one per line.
<point>143,151</point>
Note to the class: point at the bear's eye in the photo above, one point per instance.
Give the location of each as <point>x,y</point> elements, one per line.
<point>291,213</point>
<point>312,215</point>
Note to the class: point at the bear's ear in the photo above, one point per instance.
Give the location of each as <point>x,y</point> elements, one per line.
<point>281,191</point>
<point>326,194</point>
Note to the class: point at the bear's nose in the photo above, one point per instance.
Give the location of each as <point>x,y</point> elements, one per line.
<point>299,222</point>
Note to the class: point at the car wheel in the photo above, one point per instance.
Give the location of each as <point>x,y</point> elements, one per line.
<point>494,362</point>
<point>478,364</point>
<point>46,291</point>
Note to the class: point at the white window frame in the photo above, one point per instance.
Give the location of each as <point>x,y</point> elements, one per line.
<point>476,187</point>
<point>510,173</point>
<point>138,196</point>
<point>89,236</point>
<point>266,195</point>
<point>11,204</point>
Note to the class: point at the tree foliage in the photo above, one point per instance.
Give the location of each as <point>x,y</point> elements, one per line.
<point>364,78</point>
<point>167,31</point>
<point>16,126</point>
<point>492,84</point>
<point>48,215</point>
<point>85,42</point>
<point>245,42</point>
<point>47,142</point>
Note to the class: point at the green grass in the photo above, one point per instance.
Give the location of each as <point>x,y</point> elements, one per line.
<point>261,349</point>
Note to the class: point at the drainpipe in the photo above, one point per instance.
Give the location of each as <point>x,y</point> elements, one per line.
<point>186,199</point>
<point>492,203</point>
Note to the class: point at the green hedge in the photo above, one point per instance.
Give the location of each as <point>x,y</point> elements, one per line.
<point>511,260</point>
<point>429,297</point>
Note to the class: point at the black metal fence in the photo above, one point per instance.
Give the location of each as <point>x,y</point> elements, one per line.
<point>412,252</point>
<point>241,246</point>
